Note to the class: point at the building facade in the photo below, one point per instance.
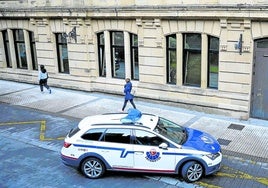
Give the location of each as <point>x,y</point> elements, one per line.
<point>209,55</point>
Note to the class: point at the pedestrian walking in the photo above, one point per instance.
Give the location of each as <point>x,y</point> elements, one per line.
<point>128,95</point>
<point>43,76</point>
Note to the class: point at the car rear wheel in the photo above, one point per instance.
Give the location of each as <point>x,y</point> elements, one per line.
<point>93,168</point>
<point>192,171</point>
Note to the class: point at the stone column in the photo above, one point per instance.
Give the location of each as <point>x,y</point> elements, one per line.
<point>204,61</point>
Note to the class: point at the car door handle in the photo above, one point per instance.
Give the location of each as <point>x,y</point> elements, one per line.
<point>139,152</point>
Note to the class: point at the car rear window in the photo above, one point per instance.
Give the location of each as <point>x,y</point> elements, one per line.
<point>93,134</point>
<point>73,132</point>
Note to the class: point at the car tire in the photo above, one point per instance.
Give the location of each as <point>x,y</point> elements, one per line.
<point>92,168</point>
<point>192,171</point>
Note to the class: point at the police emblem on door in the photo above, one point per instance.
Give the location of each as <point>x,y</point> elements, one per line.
<point>152,155</point>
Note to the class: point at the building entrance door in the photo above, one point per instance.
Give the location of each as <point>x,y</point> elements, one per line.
<point>259,97</point>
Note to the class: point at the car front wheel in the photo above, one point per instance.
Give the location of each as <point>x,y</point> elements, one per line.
<point>93,168</point>
<point>192,171</point>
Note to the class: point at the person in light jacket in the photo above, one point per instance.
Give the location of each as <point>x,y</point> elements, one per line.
<point>43,76</point>
<point>128,95</point>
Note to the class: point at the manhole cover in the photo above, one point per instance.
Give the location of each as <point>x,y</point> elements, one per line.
<point>236,127</point>
<point>224,141</point>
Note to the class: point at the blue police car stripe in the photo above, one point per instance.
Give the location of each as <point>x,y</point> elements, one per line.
<point>123,150</point>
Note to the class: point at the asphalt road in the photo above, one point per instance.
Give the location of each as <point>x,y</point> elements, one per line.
<point>30,142</point>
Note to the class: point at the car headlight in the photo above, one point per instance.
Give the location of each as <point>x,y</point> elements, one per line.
<point>213,156</point>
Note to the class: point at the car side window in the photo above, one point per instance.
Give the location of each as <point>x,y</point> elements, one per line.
<point>93,134</point>
<point>117,136</point>
<point>147,138</point>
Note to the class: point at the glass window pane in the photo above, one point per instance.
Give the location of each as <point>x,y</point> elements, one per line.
<point>101,55</point>
<point>134,57</point>
<point>20,48</point>
<point>213,62</point>
<point>7,49</point>
<point>172,67</point>
<point>22,55</point>
<point>172,42</point>
<point>171,59</point>
<point>101,39</point>
<point>135,64</point>
<point>118,38</point>
<point>33,51</point>
<point>147,138</point>
<point>118,55</point>
<point>62,52</point>
<point>192,59</point>
<point>262,44</point>
<point>117,136</point>
<point>192,41</point>
<point>93,134</point>
<point>19,35</point>
<point>134,40</point>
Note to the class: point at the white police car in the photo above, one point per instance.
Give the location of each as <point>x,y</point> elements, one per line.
<point>139,142</point>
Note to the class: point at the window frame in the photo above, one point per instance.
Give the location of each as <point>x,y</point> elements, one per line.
<point>33,50</point>
<point>61,43</point>
<point>101,55</point>
<point>194,51</point>
<point>170,49</point>
<point>134,51</point>
<point>114,49</point>
<point>7,48</point>
<point>19,44</point>
<point>210,62</point>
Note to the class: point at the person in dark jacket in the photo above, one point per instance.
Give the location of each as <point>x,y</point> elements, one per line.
<point>43,76</point>
<point>128,95</point>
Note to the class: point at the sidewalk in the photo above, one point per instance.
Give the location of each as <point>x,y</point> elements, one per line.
<point>235,136</point>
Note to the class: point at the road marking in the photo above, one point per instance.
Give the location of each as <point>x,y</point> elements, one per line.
<point>241,175</point>
<point>42,135</point>
<point>19,123</point>
<point>203,184</point>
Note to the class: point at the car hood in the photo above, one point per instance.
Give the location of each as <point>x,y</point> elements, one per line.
<point>201,141</point>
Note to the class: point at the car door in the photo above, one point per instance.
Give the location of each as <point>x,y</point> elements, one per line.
<point>149,157</point>
<point>116,149</point>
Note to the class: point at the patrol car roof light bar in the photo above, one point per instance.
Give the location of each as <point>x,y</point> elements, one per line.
<point>132,116</point>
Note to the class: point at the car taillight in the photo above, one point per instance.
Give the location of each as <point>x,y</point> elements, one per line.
<point>66,144</point>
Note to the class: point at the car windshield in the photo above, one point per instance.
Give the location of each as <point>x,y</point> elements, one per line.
<point>171,130</point>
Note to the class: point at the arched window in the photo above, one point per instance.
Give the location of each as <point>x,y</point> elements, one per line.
<point>116,46</point>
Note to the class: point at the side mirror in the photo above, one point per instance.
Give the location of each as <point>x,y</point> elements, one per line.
<point>163,145</point>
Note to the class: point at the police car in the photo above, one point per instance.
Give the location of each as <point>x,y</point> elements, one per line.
<point>139,142</point>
